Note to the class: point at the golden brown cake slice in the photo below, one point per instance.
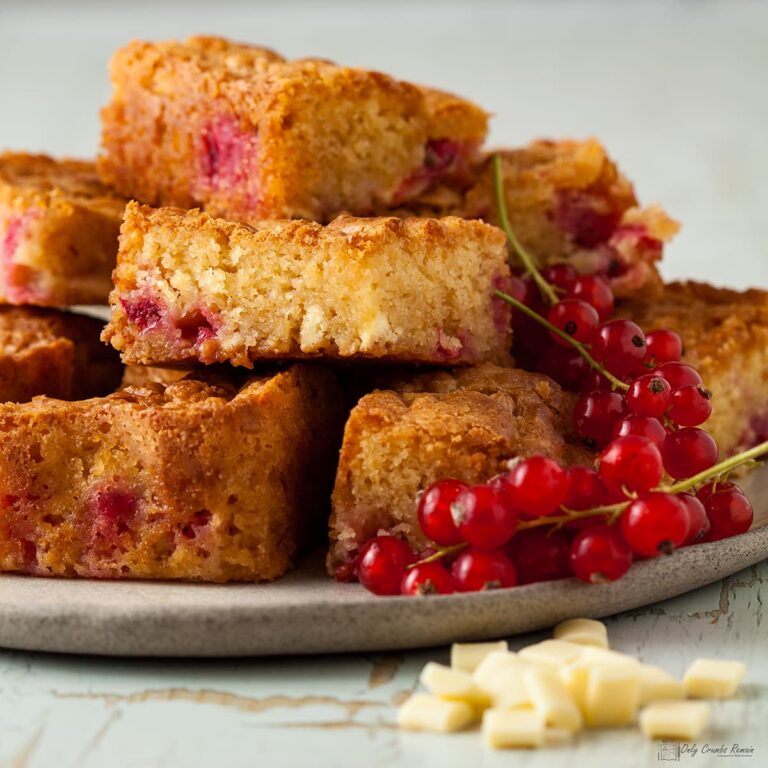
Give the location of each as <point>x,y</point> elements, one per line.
<point>54,353</point>
<point>568,202</point>
<point>201,480</point>
<point>248,135</point>
<point>191,288</point>
<point>725,337</point>
<point>58,231</point>
<point>465,424</point>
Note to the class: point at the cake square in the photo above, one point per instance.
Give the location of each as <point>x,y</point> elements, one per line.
<point>725,337</point>
<point>465,424</point>
<point>202,480</point>
<point>54,353</point>
<point>58,231</point>
<point>192,288</point>
<point>567,201</point>
<point>247,135</point>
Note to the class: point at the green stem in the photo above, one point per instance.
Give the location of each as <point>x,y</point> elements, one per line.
<point>438,553</point>
<point>529,262</point>
<point>577,345</point>
<point>719,469</point>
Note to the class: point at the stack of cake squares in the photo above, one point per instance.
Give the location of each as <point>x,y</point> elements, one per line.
<point>297,239</point>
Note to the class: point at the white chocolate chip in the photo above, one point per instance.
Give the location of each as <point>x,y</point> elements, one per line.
<point>513,729</point>
<point>422,712</point>
<point>489,668</point>
<point>466,657</point>
<point>679,720</point>
<point>551,699</point>
<point>713,678</point>
<point>452,684</point>
<point>583,632</point>
<point>658,685</point>
<point>554,653</point>
<point>612,695</point>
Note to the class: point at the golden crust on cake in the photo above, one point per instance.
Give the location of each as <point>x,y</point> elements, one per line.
<point>466,424</point>
<point>191,288</point>
<point>206,479</point>
<point>725,337</point>
<point>58,231</point>
<point>248,135</point>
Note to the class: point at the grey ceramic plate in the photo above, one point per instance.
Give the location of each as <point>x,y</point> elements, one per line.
<point>306,612</point>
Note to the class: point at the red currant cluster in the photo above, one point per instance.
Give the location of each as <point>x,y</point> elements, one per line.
<point>492,535</point>
<point>639,405</point>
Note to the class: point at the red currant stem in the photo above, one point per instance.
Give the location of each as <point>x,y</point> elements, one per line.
<point>739,459</point>
<point>438,554</point>
<point>577,345</point>
<point>614,510</point>
<point>529,261</point>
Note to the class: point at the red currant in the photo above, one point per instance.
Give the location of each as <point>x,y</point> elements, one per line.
<point>664,346</point>
<point>585,489</point>
<point>540,555</point>
<point>648,395</point>
<point>698,523</point>
<point>643,426</point>
<point>678,374</point>
<point>595,291</point>
<point>690,406</point>
<point>729,513</point>
<point>715,487</point>
<point>619,345</point>
<point>516,288</point>
<point>576,318</point>
<point>536,486</point>
<point>599,554</point>
<point>655,524</point>
<point>381,564</point>
<point>427,579</point>
<point>566,366</point>
<point>434,511</point>
<point>688,451</point>
<point>479,569</point>
<point>631,464</point>
<point>594,381</point>
<point>561,276</point>
<point>596,414</point>
<point>483,517</point>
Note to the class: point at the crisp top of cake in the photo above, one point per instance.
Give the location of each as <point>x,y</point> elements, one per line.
<point>247,71</point>
<point>359,235</point>
<point>76,179</point>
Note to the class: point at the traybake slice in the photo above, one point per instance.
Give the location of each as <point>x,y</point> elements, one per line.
<point>465,424</point>
<point>246,134</point>
<point>58,231</point>
<point>725,337</point>
<point>201,480</point>
<point>189,288</point>
<point>567,201</point>
<point>54,353</point>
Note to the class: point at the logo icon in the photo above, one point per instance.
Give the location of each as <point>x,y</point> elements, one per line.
<point>669,751</point>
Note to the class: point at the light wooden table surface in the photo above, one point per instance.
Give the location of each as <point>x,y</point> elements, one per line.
<point>677,91</point>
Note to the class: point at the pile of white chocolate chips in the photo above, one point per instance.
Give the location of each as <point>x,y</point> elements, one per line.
<point>547,692</point>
